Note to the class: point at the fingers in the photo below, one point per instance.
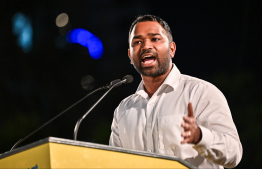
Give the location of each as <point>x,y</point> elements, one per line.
<point>187,140</point>
<point>186,134</point>
<point>188,125</point>
<point>188,119</point>
<point>190,110</point>
<point>187,137</point>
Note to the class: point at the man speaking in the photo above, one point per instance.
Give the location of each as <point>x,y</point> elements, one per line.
<point>171,113</point>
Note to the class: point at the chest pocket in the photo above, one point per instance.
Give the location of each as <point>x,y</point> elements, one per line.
<point>170,130</point>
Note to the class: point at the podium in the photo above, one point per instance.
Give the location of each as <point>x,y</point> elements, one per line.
<point>57,153</point>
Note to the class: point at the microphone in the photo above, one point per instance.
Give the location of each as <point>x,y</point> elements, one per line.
<point>128,79</point>
<point>113,84</point>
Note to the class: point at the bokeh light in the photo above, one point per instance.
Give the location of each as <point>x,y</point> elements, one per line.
<point>62,19</point>
<point>88,82</point>
<point>88,40</point>
<point>23,29</point>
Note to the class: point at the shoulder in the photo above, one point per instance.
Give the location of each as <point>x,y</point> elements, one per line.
<point>124,105</point>
<point>200,86</point>
<point>193,80</point>
<point>126,101</point>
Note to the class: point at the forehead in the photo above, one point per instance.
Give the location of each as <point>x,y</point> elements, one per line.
<point>147,27</point>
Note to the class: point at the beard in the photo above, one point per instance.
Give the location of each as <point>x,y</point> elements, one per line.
<point>162,66</point>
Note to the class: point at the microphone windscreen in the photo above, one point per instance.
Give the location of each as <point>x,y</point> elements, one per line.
<point>88,82</point>
<point>115,82</point>
<point>128,78</point>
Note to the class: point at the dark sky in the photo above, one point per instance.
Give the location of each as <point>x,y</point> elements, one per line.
<point>218,41</point>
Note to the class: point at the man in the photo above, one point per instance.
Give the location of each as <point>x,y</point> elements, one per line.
<point>171,113</point>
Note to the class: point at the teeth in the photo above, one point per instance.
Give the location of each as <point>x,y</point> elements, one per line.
<point>147,56</point>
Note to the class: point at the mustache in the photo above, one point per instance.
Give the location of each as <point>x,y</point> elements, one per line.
<point>147,51</point>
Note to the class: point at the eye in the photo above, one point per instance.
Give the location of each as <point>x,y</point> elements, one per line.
<point>136,42</point>
<point>155,39</point>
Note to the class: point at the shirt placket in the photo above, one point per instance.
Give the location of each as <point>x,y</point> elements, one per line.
<point>149,122</point>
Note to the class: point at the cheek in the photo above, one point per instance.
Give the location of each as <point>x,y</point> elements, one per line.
<point>163,50</point>
<point>133,52</point>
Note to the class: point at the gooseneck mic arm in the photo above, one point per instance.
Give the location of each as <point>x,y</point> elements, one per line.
<point>101,88</point>
<point>84,116</point>
<point>126,79</point>
<point>55,117</point>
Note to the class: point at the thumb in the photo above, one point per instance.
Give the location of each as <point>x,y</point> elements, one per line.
<point>190,110</point>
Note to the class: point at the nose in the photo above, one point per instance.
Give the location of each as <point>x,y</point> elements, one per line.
<point>147,44</point>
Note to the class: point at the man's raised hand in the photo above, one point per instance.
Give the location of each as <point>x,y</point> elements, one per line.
<point>192,133</point>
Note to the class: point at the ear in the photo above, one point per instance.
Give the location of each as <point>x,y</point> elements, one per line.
<point>129,56</point>
<point>172,49</point>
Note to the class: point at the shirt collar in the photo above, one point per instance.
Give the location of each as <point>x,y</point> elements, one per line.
<point>171,80</point>
<point>173,77</point>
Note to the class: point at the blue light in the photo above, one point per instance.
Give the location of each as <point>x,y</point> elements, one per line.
<point>23,29</point>
<point>88,40</point>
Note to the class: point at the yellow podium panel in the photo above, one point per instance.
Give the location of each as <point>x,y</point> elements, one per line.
<point>36,156</point>
<point>68,154</point>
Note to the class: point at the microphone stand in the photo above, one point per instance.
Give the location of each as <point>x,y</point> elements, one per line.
<point>83,117</point>
<point>19,141</point>
<point>114,83</point>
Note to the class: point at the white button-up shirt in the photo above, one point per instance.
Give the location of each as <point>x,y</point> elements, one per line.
<point>154,124</point>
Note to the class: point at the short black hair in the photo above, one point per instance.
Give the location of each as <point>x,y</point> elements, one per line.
<point>144,18</point>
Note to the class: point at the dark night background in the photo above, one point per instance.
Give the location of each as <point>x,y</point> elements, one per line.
<point>218,41</point>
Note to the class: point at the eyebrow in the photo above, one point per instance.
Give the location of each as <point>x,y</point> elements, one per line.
<point>149,34</point>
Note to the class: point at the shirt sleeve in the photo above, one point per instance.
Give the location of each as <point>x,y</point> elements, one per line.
<point>220,142</point>
<point>114,137</point>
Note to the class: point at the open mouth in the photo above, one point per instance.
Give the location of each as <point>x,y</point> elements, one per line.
<point>148,59</point>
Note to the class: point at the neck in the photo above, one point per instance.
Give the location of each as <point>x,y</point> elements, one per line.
<point>151,84</point>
